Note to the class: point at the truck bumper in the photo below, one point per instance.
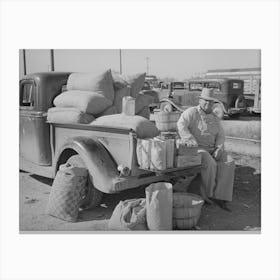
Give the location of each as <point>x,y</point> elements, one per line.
<point>233,111</point>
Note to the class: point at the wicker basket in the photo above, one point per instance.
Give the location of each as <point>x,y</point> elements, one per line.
<point>186,210</point>
<point>167,121</point>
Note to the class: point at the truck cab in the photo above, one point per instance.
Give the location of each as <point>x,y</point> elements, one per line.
<point>36,94</point>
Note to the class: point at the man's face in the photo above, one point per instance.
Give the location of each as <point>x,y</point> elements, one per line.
<point>206,105</point>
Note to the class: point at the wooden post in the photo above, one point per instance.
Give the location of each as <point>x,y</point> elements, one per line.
<point>52,60</point>
<point>24,62</point>
<point>120,61</point>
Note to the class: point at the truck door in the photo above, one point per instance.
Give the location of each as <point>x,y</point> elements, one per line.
<point>34,137</point>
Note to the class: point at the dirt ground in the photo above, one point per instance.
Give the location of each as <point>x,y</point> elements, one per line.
<point>246,205</point>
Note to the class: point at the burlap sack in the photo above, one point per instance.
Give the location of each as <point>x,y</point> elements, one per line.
<point>129,215</point>
<point>135,82</point>
<point>86,101</point>
<point>145,113</point>
<point>143,127</point>
<point>112,110</point>
<point>68,115</point>
<point>102,84</point>
<point>142,101</point>
<point>159,206</point>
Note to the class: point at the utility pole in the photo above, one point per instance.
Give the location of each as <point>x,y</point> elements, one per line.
<point>24,62</point>
<point>147,63</point>
<point>120,61</point>
<point>52,60</point>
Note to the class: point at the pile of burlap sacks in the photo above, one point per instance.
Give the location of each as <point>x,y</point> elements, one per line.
<point>88,97</point>
<point>161,210</point>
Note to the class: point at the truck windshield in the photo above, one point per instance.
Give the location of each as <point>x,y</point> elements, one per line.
<point>195,86</point>
<point>213,85</point>
<point>178,85</point>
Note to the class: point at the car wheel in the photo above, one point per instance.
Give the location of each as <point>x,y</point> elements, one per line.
<point>92,196</point>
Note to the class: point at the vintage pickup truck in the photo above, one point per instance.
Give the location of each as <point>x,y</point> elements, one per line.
<point>108,153</point>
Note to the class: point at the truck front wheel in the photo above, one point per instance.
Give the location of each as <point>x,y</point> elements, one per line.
<point>93,196</point>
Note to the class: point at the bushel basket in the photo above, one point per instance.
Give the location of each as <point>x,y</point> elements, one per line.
<point>186,210</point>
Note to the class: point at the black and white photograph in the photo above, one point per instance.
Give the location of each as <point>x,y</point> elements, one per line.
<point>140,140</point>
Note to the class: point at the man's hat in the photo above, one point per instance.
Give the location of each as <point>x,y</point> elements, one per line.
<point>208,94</point>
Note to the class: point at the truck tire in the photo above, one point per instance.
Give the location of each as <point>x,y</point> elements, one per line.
<point>93,196</point>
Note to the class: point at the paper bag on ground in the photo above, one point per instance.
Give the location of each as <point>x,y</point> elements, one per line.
<point>159,206</point>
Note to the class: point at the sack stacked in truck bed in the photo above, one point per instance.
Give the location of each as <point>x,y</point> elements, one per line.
<point>134,82</point>
<point>86,101</point>
<point>101,84</point>
<point>143,127</point>
<point>68,115</point>
<point>88,93</point>
<point>142,103</point>
<point>131,86</point>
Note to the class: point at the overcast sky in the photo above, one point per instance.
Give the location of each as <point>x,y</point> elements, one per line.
<point>179,64</point>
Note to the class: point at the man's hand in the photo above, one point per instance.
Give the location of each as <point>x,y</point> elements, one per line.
<point>217,154</point>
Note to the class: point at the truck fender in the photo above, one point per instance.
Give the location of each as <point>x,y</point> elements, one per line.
<point>222,105</point>
<point>101,167</point>
<point>239,99</point>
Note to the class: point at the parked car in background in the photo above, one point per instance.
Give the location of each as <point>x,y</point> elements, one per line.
<point>228,92</point>
<point>177,85</point>
<point>146,86</point>
<point>152,80</point>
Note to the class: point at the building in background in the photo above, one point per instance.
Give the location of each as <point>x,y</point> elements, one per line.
<point>252,84</point>
<point>251,77</point>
